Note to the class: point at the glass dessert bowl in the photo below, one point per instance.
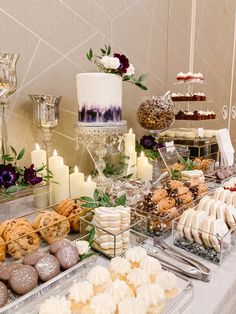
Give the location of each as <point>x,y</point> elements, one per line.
<point>156,114</point>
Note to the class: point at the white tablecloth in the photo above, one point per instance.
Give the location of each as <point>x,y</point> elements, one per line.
<point>219,295</point>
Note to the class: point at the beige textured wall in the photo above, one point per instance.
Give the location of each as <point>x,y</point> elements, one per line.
<point>53,36</point>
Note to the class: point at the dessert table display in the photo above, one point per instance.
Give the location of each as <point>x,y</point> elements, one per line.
<point>104,245</point>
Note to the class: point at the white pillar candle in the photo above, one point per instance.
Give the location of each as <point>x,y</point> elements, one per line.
<point>129,143</point>
<point>141,159</point>
<point>54,161</point>
<point>76,179</point>
<point>145,170</point>
<point>88,187</point>
<point>61,189</point>
<point>39,158</point>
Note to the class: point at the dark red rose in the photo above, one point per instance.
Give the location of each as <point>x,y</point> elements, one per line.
<point>30,176</point>
<point>8,175</point>
<point>124,63</point>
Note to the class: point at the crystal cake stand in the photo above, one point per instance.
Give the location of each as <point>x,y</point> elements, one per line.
<point>99,139</point>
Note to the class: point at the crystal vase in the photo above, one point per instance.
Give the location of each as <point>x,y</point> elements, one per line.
<point>8,84</point>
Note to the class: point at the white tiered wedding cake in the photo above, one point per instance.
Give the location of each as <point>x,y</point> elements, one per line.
<point>99,97</point>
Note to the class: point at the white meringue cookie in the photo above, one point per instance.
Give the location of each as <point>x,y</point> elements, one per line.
<point>119,290</point>
<point>98,275</point>
<point>103,303</point>
<point>136,254</point>
<point>167,280</point>
<point>81,292</point>
<point>119,265</point>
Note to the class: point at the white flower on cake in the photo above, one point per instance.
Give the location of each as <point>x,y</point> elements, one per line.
<point>130,70</point>
<point>110,62</point>
<point>82,246</point>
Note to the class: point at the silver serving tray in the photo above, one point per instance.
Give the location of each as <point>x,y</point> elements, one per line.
<point>30,304</point>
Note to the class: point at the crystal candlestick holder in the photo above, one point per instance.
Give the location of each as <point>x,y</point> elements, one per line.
<point>46,116</point>
<point>8,84</point>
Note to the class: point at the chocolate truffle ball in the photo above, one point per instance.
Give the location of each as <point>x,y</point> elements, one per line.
<point>23,279</point>
<point>7,269</point>
<point>68,256</point>
<point>32,258</point>
<point>3,294</point>
<point>54,247</point>
<point>47,267</point>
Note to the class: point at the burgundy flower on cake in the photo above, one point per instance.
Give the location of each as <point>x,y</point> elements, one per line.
<point>30,176</point>
<point>148,141</point>
<point>8,175</point>
<point>124,62</point>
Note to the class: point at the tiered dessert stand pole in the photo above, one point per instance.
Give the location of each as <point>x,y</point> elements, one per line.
<point>7,88</point>
<point>97,138</point>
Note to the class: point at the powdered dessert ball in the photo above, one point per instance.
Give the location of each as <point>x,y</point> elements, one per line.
<point>54,247</point>
<point>32,258</point>
<point>68,256</point>
<point>7,270</point>
<point>3,294</point>
<point>23,279</point>
<point>47,267</point>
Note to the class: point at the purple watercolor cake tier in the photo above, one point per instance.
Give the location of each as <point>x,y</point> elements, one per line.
<point>96,114</point>
<point>99,97</point>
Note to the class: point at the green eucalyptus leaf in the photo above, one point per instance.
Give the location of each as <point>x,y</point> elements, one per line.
<point>91,236</point>
<point>90,205</point>
<point>96,195</point>
<point>140,85</point>
<point>21,154</point>
<point>128,176</point>
<point>103,51</point>
<point>121,200</point>
<point>87,199</point>
<point>126,78</point>
<point>50,172</point>
<point>108,50</point>
<point>13,150</point>
<point>90,54</point>
<point>107,200</point>
<point>84,256</point>
<point>182,160</point>
<point>142,77</point>
<point>40,169</point>
<point>15,188</point>
<point>7,158</point>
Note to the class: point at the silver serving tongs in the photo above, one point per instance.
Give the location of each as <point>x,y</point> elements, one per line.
<point>192,266</point>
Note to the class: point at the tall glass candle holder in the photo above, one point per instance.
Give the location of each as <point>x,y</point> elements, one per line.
<point>46,116</point>
<point>8,84</point>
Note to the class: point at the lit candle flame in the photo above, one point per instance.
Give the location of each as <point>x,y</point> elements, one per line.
<point>130,131</point>
<point>89,179</point>
<point>37,146</point>
<point>142,154</point>
<point>55,153</point>
<point>76,170</point>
